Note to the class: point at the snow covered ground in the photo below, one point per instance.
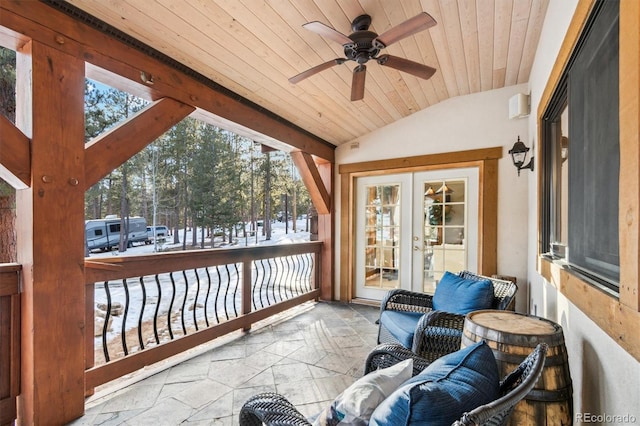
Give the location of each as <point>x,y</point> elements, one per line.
<point>180,299</point>
<point>278,236</point>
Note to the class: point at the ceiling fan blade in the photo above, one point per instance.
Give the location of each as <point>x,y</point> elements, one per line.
<point>405,65</point>
<point>357,83</point>
<point>328,32</point>
<point>409,27</point>
<point>314,70</point>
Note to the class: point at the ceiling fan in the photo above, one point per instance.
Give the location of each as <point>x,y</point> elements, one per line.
<point>364,45</point>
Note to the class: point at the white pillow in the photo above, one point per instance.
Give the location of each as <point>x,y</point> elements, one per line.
<point>355,405</point>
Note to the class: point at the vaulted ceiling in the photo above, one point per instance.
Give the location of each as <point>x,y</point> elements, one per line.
<point>253,47</point>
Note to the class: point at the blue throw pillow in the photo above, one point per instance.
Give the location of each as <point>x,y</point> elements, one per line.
<point>461,296</point>
<point>449,387</point>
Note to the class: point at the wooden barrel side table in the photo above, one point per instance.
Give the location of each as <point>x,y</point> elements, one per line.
<point>513,336</point>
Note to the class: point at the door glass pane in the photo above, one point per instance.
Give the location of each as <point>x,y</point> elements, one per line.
<point>444,227</point>
<point>382,235</point>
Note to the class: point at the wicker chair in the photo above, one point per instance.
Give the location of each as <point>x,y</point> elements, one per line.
<point>274,409</point>
<point>437,333</point>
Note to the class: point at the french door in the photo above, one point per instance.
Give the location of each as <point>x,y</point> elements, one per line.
<point>412,227</point>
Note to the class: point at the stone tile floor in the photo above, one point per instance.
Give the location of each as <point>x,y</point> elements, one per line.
<point>309,354</point>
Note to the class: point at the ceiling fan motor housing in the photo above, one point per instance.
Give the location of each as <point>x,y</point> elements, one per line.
<point>362,49</point>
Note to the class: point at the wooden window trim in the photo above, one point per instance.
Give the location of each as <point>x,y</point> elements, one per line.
<point>618,317</point>
<point>485,159</point>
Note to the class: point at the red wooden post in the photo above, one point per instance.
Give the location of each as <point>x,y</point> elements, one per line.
<point>325,234</point>
<point>50,230</point>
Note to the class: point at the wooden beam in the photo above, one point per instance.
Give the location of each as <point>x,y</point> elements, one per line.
<point>266,148</point>
<point>113,148</point>
<point>119,267</point>
<point>616,319</point>
<point>629,207</point>
<point>419,161</point>
<point>15,155</point>
<point>50,110</point>
<point>12,39</point>
<point>49,26</point>
<point>313,181</point>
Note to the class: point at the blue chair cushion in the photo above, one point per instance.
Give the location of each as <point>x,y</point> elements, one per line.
<point>401,325</point>
<point>461,296</point>
<point>439,395</point>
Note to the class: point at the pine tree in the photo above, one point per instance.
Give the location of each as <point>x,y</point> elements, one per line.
<point>104,108</point>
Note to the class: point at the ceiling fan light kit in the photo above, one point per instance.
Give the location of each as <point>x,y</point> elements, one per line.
<point>363,45</point>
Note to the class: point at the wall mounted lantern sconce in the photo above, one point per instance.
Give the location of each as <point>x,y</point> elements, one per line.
<point>519,155</point>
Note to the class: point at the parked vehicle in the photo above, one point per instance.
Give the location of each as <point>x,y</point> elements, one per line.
<point>161,233</point>
<point>104,234</point>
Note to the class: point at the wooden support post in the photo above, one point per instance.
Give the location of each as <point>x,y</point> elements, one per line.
<point>50,231</point>
<point>325,234</point>
<point>318,178</point>
<point>488,220</point>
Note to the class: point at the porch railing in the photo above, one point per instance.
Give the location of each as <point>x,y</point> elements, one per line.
<point>9,341</point>
<point>148,308</point>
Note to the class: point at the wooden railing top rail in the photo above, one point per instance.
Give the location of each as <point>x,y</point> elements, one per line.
<point>9,279</point>
<point>113,268</point>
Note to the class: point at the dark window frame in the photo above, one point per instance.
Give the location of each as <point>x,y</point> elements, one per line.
<point>549,214</point>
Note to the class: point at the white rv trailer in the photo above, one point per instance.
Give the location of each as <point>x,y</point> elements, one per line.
<point>104,233</point>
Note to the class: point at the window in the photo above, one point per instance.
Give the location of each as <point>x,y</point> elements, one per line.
<point>557,168</point>
<point>382,230</point>
<point>581,155</point>
<point>444,229</point>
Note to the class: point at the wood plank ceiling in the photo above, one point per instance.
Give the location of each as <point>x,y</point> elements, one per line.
<point>252,47</point>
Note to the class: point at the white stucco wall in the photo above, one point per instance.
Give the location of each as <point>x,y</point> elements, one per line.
<point>474,121</point>
<point>606,379</point>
